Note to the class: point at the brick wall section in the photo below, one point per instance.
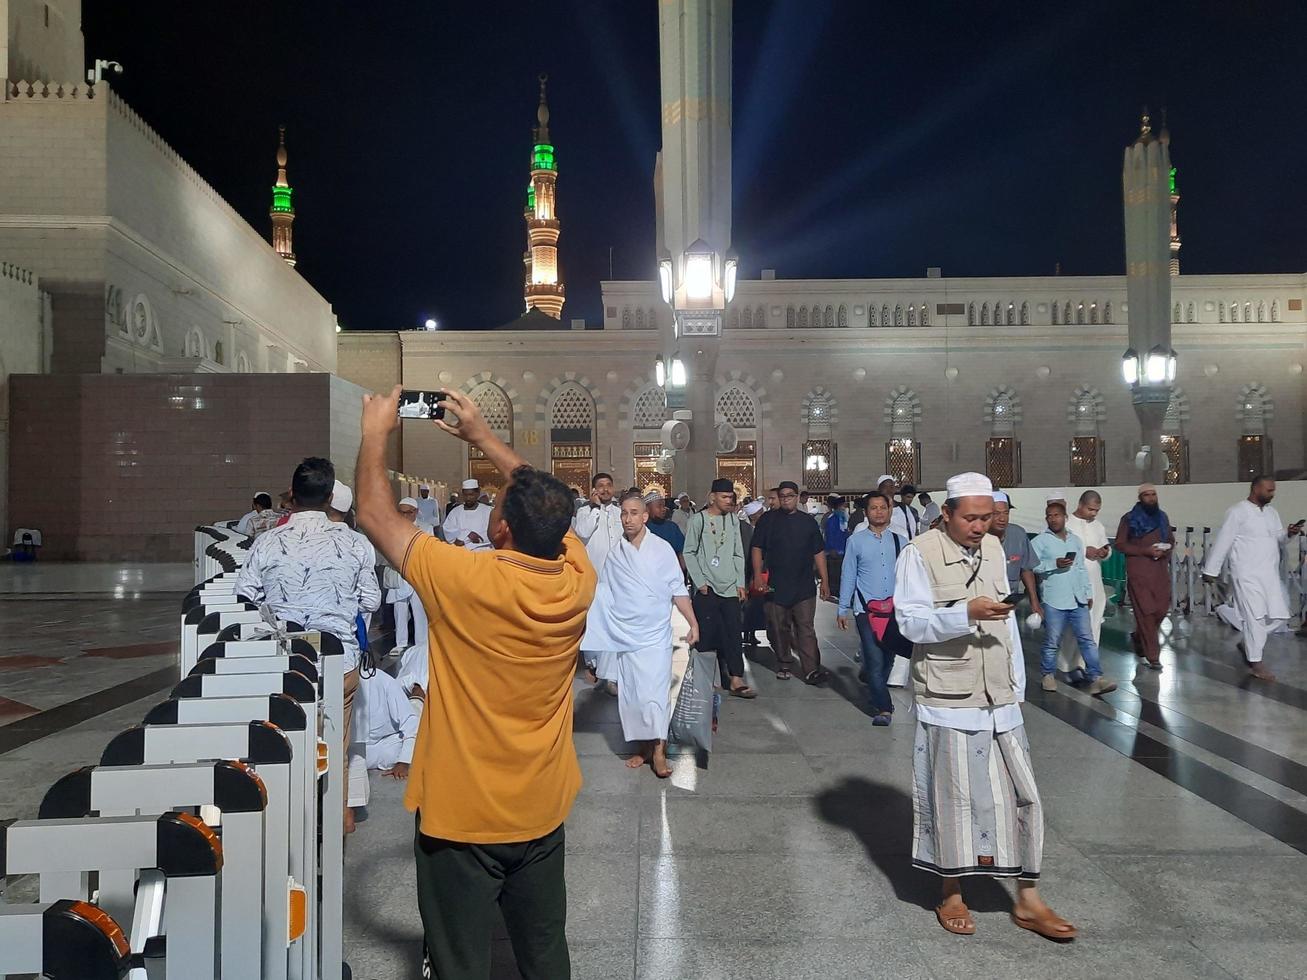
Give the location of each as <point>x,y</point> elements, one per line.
<point>122,467</point>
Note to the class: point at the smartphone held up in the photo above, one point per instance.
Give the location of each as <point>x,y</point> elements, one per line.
<point>421,404</point>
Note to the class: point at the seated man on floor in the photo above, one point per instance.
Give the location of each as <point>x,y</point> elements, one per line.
<point>389,729</point>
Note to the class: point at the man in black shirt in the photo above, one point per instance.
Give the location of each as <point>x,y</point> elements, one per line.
<point>791,545</point>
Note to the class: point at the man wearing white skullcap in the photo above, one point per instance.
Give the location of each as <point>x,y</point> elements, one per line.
<point>468,526</point>
<point>412,673</point>
<point>428,508</point>
<point>976,807</point>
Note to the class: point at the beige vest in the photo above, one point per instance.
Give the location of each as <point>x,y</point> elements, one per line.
<point>975,670</point>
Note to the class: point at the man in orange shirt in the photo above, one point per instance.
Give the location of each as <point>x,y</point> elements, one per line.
<point>494,773</point>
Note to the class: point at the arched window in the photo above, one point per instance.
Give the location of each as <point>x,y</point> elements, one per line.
<point>1011,314</point>
<point>1234,312</point>
<point>898,316</point>
<point>1066,313</point>
<point>639,319</point>
<point>195,346</point>
<point>737,407</point>
<point>829,319</point>
<point>871,315</point>
<point>1190,313</point>
<point>1275,311</point>
<point>571,435</point>
<point>884,316</point>
<point>649,409</point>
<point>1093,312</point>
<point>971,314</point>
<point>789,318</point>
<point>984,314</point>
<point>759,317</point>
<point>1247,312</point>
<point>1107,312</point>
<point>1054,306</point>
<point>1080,313</point>
<point>626,318</point>
<point>1254,411</point>
<point>1175,446</point>
<point>1025,314</point>
<point>495,408</point>
<point>925,315</point>
<point>217,352</point>
<point>653,318</point>
<point>803,317</point>
<point>745,320</point>
<point>842,316</point>
<point>912,314</point>
<point>1261,312</point>
<point>242,363</point>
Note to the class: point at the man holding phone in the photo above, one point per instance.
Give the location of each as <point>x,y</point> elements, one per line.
<point>1067,596</point>
<point>976,806</point>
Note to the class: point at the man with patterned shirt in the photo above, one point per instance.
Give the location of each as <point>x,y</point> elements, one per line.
<point>315,572</point>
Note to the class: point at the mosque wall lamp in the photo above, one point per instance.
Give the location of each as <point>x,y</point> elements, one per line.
<point>1155,368</point>
<point>706,281</point>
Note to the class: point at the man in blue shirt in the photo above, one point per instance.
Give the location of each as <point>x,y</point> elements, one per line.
<point>1067,595</point>
<point>835,531</point>
<point>662,525</point>
<point>868,576</point>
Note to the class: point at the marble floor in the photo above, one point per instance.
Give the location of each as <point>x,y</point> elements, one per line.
<point>1176,811</point>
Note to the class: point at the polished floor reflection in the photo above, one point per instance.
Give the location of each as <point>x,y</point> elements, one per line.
<point>1176,808</point>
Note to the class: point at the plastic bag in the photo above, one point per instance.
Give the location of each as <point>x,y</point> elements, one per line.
<point>691,725</point>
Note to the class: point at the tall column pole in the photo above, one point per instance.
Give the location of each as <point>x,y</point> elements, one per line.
<point>693,190</point>
<point>1145,179</point>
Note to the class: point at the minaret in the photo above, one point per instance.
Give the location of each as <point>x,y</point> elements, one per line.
<point>1165,139</point>
<point>283,211</point>
<point>544,290</point>
<point>1145,180</point>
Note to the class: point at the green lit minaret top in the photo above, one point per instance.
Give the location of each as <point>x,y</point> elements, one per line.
<point>282,211</point>
<point>1173,190</point>
<point>542,155</point>
<point>281,191</point>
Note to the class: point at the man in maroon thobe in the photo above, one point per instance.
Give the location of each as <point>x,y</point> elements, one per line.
<point>1144,537</point>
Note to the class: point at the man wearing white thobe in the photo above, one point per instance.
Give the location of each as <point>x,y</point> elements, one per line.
<point>1085,525</point>
<point>630,621</point>
<point>467,526</point>
<point>400,594</point>
<point>390,731</point>
<point>428,508</point>
<point>598,523</point>
<point>905,520</point>
<point>1250,539</point>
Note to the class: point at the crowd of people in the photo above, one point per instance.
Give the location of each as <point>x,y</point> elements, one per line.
<point>493,602</point>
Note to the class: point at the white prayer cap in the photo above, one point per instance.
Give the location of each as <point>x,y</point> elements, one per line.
<point>969,485</point>
<point>342,498</point>
<point>882,478</point>
<point>424,486</point>
<point>471,485</point>
<point>752,507</point>
<point>408,502</point>
<point>1001,498</point>
<point>684,496</point>
<point>1056,495</point>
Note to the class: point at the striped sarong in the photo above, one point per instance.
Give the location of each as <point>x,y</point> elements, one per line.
<point>975,805</point>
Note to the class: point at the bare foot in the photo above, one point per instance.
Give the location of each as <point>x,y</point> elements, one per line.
<point>1259,671</point>
<point>590,675</point>
<point>349,820</point>
<point>660,767</point>
<point>636,761</point>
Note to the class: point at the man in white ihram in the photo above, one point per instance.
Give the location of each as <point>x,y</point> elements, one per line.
<point>630,621</point>
<point>598,523</point>
<point>390,731</point>
<point>976,807</point>
<point>1250,539</point>
<point>468,525</point>
<point>428,509</point>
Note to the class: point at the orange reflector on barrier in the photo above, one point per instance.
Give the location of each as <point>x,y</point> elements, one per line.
<point>298,912</point>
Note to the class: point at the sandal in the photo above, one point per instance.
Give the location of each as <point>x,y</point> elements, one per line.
<point>956,912</point>
<point>817,676</point>
<point>882,720</point>
<point>1050,925</point>
<point>783,674</point>
<point>745,692</point>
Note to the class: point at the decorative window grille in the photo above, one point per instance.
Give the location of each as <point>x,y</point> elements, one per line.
<point>984,314</point>
<point>803,317</point>
<point>737,407</point>
<point>1255,456</point>
<point>1088,461</point>
<point>1025,314</point>
<point>842,316</point>
<point>828,319</point>
<point>649,410</point>
<point>573,409</point>
<point>789,317</point>
<point>1003,461</point>
<point>903,460</point>
<point>898,316</point>
<point>1176,450</point>
<point>819,465</point>
<point>495,407</point>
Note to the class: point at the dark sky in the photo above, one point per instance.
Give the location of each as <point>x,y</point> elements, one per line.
<point>871,139</point>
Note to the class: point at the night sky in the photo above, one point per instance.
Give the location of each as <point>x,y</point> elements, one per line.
<point>871,139</point>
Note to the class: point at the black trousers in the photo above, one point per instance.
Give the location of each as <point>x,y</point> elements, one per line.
<point>719,629</point>
<point>462,888</point>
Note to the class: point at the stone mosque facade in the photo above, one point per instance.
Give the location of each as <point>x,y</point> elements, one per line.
<point>833,382</point>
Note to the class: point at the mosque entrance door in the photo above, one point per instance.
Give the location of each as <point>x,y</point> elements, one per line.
<point>484,472</point>
<point>647,477</point>
<point>741,468</point>
<point>573,464</point>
